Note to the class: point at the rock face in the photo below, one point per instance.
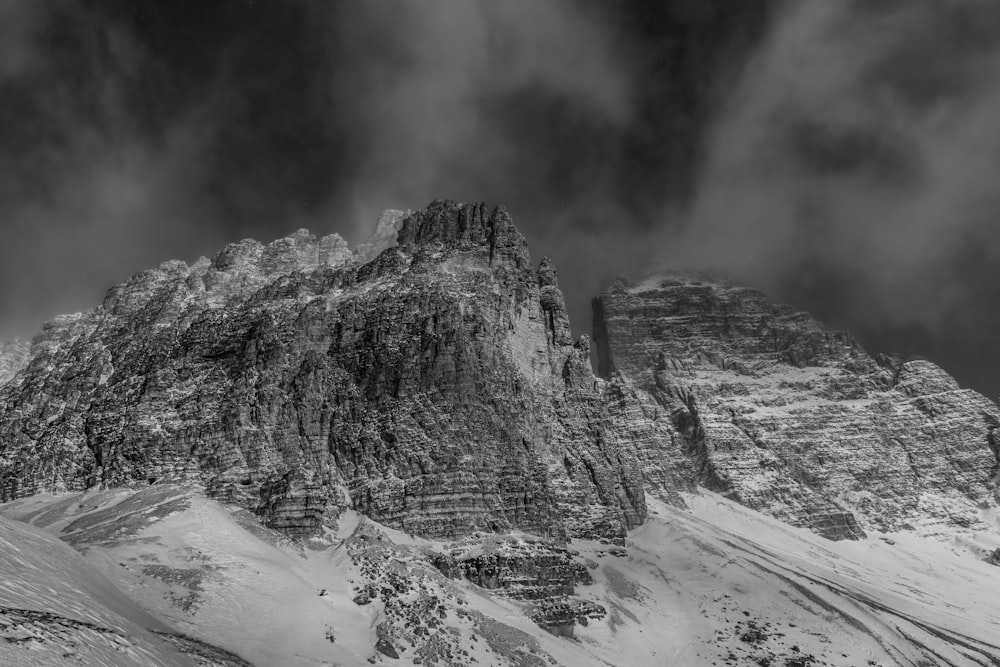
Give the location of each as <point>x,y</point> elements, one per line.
<point>530,570</point>
<point>435,387</point>
<point>519,569</point>
<point>13,357</point>
<point>430,380</point>
<point>797,421</point>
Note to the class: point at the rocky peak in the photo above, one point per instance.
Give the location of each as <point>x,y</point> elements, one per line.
<point>234,271</point>
<point>301,251</point>
<point>554,305</point>
<point>547,274</point>
<point>453,225</point>
<point>699,321</point>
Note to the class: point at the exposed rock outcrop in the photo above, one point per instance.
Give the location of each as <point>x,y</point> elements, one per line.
<point>560,615</point>
<point>436,387</point>
<point>797,421</point>
<point>535,571</point>
<point>519,569</point>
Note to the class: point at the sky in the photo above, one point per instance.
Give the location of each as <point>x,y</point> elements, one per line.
<point>840,155</point>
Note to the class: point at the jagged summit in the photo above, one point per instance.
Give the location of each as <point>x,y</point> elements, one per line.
<point>249,264</point>
<point>717,317</point>
<point>453,223</point>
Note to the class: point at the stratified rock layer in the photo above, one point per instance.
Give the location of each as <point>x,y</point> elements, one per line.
<point>798,421</point>
<point>519,569</point>
<point>436,387</point>
<point>431,380</point>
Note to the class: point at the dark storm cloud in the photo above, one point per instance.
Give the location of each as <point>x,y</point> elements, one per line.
<point>451,90</point>
<point>137,130</point>
<point>582,117</point>
<point>848,166</point>
<point>521,103</point>
<point>855,171</point>
<point>19,24</point>
<point>85,198</point>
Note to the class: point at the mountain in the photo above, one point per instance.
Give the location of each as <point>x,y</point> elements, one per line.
<point>797,421</point>
<point>435,388</point>
<point>715,583</point>
<point>400,452</point>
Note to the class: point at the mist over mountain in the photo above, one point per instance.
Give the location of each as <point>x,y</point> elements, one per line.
<point>838,155</point>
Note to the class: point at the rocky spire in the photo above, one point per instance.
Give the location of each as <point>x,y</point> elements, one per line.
<point>553,303</point>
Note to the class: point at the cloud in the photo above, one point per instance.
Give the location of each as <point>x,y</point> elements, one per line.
<point>20,24</point>
<point>525,104</point>
<point>465,99</point>
<point>855,165</point>
<point>132,132</point>
<point>87,196</point>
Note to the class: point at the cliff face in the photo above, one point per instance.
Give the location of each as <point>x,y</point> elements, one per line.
<point>430,380</point>
<point>436,385</point>
<point>797,421</point>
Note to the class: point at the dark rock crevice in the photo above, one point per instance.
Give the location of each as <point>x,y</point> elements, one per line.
<point>602,343</point>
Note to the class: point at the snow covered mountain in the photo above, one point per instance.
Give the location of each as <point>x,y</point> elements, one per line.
<point>303,454</point>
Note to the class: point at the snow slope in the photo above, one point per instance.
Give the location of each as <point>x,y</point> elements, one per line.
<point>716,584</point>
<point>57,609</point>
<point>723,581</point>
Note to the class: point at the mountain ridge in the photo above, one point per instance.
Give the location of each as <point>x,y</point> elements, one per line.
<point>413,422</point>
<point>236,374</point>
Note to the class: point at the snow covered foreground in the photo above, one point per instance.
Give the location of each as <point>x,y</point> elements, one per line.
<point>156,570</point>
